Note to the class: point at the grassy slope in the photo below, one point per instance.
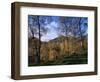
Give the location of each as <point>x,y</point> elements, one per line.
<point>71,60</point>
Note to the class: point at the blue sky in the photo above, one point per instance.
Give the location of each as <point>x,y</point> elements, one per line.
<point>52,28</point>
<point>52,33</point>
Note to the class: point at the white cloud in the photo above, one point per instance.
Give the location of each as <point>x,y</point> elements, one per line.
<point>52,33</point>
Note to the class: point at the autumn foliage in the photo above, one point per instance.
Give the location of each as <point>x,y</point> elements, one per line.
<point>57,49</point>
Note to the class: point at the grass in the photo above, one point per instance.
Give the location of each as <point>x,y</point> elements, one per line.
<point>65,60</point>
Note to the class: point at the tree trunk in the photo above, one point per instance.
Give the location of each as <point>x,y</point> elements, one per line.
<point>39,41</point>
<point>68,45</point>
<point>67,42</point>
<point>36,55</point>
<point>32,31</point>
<point>81,36</point>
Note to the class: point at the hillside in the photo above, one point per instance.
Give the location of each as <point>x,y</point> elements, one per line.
<point>61,50</point>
